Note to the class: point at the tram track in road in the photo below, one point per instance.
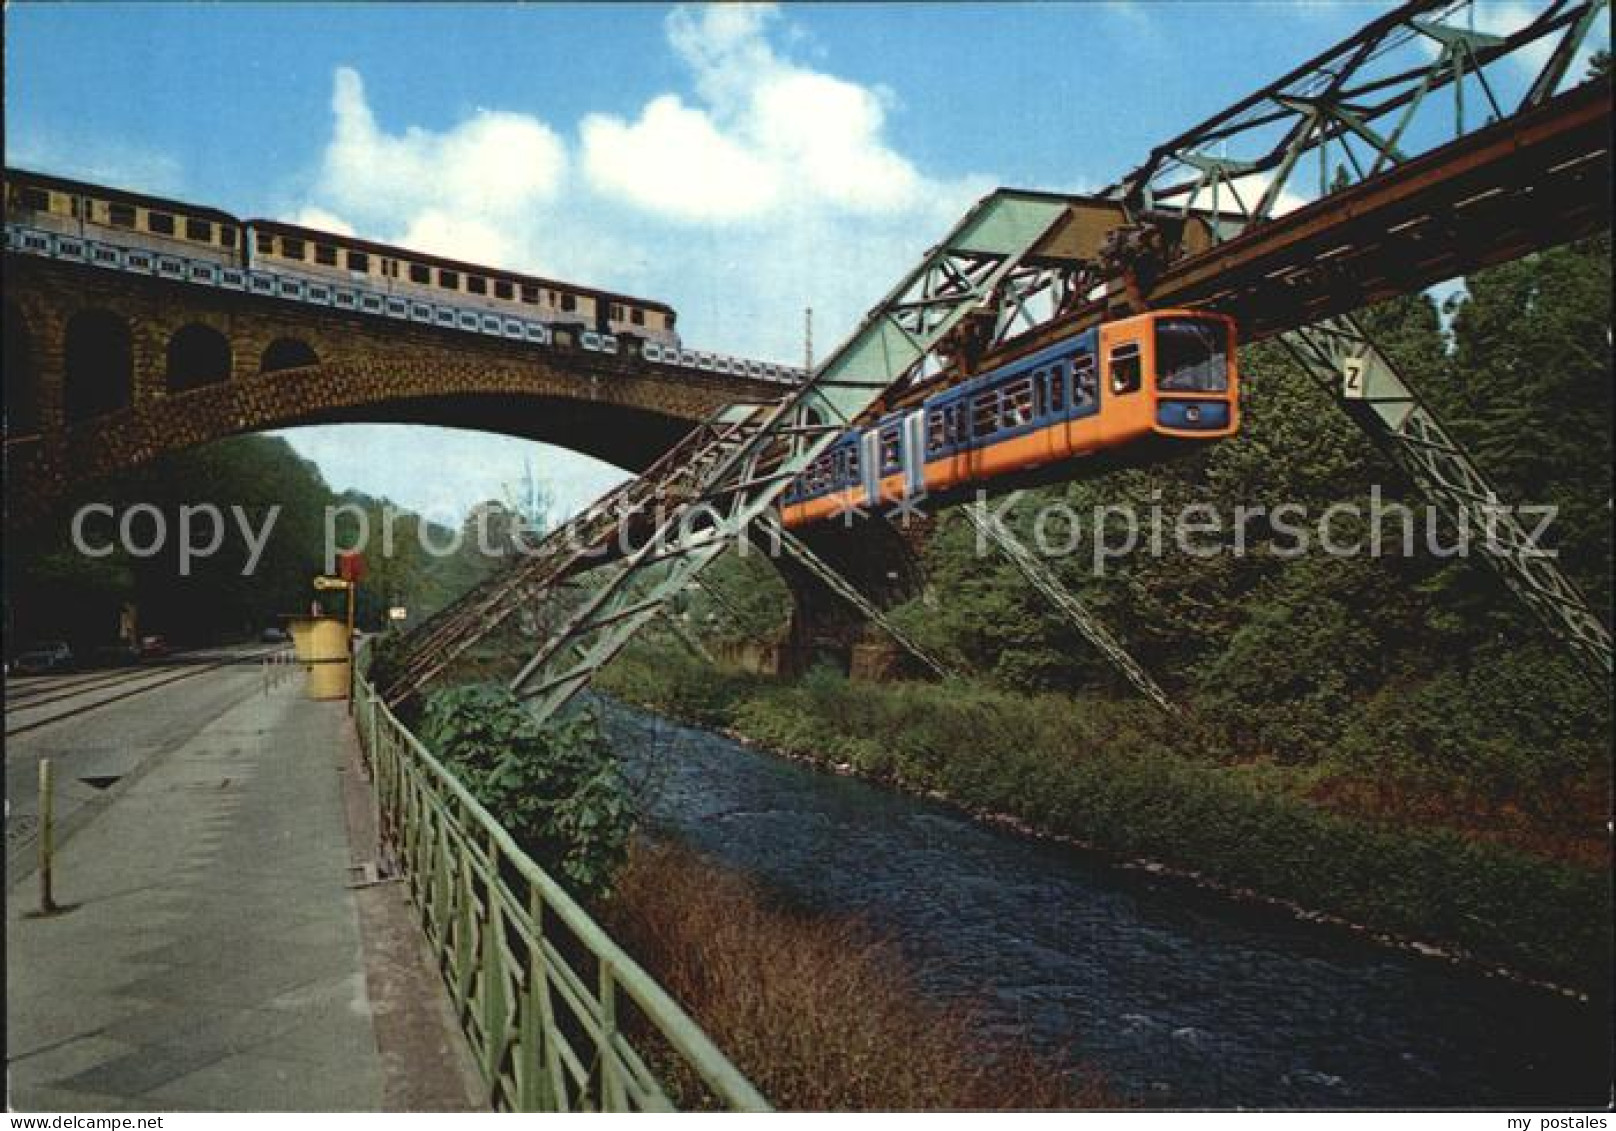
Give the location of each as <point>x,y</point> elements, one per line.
<point>164,680</point>
<point>39,690</point>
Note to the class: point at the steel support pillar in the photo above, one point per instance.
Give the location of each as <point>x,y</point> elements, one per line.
<point>1345,362</point>
<point>1044,580</point>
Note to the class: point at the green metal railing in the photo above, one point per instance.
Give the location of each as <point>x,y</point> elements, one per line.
<point>559,1018</point>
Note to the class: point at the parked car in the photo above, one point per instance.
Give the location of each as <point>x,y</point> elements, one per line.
<point>273,635</point>
<point>46,656</point>
<point>153,646</point>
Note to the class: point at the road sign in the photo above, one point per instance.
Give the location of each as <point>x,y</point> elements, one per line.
<point>330,583</point>
<point>397,612</point>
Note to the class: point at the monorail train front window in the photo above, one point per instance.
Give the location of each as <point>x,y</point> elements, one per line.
<point>1192,356</point>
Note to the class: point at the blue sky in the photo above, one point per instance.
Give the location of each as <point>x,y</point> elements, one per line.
<point>739,162</point>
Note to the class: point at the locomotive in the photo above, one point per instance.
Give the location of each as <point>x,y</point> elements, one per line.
<point>1151,384</point>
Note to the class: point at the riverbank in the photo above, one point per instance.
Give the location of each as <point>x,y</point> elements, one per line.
<point>1078,771</point>
<point>819,1012</point>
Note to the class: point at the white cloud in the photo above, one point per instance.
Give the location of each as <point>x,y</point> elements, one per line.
<point>770,136</point>
<point>451,192</point>
<point>311,216</point>
<point>756,188</point>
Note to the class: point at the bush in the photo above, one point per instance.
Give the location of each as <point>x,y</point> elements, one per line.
<point>557,790</point>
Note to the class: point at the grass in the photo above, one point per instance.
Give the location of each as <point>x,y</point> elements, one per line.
<point>817,1012</point>
<point>1115,775</point>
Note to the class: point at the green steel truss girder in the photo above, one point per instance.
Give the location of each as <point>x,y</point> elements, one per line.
<point>959,275</point>
<point>1368,89</point>
<point>567,549</point>
<point>814,564</point>
<point>1043,579</point>
<point>1341,357</point>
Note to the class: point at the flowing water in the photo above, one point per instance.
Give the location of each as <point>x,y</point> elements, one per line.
<point>1179,998</point>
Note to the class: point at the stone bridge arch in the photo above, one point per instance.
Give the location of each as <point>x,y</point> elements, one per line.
<point>128,368</point>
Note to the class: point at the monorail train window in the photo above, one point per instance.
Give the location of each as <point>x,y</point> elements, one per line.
<point>637,316</point>
<point>936,430</point>
<point>1016,404</point>
<point>1192,356</point>
<point>503,289</point>
<point>1050,387</point>
<point>199,230</point>
<point>985,413</point>
<point>530,294</point>
<point>121,215</point>
<point>1127,370</point>
<point>36,199</point>
<point>160,222</point>
<point>569,302</point>
<point>358,261</point>
<point>227,235</point>
<point>449,279</point>
<point>476,284</point>
<point>325,255</point>
<point>291,249</point>
<point>420,274</point>
<point>889,450</point>
<point>1084,389</point>
<point>853,464</point>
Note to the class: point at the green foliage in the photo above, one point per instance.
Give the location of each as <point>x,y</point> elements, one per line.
<point>557,790</point>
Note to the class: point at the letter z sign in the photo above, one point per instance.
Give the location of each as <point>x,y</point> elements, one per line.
<point>1353,371</point>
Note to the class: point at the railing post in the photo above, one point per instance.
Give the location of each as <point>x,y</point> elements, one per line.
<point>611,1082</point>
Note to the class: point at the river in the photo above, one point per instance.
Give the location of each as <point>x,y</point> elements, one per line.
<point>1180,998</point>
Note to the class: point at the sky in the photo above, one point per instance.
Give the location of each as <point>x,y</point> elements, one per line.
<point>741,162</point>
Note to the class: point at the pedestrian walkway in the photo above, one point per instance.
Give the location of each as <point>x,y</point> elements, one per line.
<point>213,956</point>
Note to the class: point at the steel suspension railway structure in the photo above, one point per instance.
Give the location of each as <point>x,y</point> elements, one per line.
<point>1433,159</point>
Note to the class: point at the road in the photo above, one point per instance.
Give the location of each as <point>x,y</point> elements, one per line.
<point>101,728</point>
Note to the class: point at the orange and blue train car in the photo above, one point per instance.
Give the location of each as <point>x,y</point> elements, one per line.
<point>1146,387</point>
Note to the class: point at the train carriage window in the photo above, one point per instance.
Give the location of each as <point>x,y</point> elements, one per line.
<point>1127,369</point>
<point>853,464</point>
<point>476,284</point>
<point>325,255</point>
<point>936,430</point>
<point>291,249</point>
<point>1192,356</point>
<point>449,279</point>
<point>530,294</point>
<point>890,461</point>
<point>121,215</point>
<point>358,261</point>
<point>38,200</point>
<point>199,230</point>
<point>160,222</point>
<point>1085,391</point>
<point>985,413</point>
<point>1051,390</point>
<point>1016,403</point>
<point>503,289</point>
<point>227,235</point>
<point>420,274</point>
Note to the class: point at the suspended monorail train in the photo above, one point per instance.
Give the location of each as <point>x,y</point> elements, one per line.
<point>1142,386</point>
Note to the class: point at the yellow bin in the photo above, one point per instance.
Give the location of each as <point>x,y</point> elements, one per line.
<point>302,630</point>
<point>328,658</point>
